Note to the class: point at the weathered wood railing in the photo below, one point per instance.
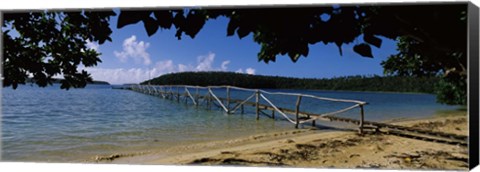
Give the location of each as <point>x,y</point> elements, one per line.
<point>210,98</point>
<point>300,117</point>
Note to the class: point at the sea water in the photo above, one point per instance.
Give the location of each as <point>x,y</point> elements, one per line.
<point>54,125</point>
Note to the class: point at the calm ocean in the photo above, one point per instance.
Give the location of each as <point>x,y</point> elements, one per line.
<point>53,125</point>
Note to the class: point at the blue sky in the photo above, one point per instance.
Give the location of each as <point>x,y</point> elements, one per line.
<point>133,57</point>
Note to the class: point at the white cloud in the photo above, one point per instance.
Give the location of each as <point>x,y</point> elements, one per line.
<point>137,75</point>
<point>205,62</point>
<point>224,65</point>
<point>135,50</point>
<point>92,45</point>
<point>166,66</point>
<point>132,75</point>
<point>183,68</point>
<point>250,71</point>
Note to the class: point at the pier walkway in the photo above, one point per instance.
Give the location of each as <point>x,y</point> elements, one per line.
<point>258,99</point>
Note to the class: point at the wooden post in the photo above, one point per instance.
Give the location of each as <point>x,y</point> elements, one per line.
<point>273,114</point>
<point>313,123</point>
<point>297,111</point>
<point>360,127</point>
<point>161,91</point>
<point>228,100</point>
<point>241,107</point>
<point>165,92</point>
<point>186,95</point>
<point>257,104</point>
<point>196,97</point>
<point>178,95</point>
<point>209,99</point>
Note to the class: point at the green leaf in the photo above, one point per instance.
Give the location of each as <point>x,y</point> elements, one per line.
<point>363,49</point>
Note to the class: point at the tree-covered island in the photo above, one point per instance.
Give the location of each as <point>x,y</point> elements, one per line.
<point>347,83</point>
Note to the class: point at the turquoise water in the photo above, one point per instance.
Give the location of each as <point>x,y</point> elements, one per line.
<point>49,124</point>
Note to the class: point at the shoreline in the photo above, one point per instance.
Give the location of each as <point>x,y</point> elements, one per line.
<point>319,148</point>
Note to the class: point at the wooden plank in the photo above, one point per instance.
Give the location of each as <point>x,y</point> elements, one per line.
<point>262,106</point>
<point>196,97</point>
<point>297,110</point>
<point>242,110</point>
<point>360,126</point>
<point>209,99</point>
<point>228,100</point>
<point>257,104</point>
<point>178,95</point>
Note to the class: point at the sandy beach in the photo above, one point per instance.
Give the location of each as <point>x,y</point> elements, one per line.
<point>317,148</point>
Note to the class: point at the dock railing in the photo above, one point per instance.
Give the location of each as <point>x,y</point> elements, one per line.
<point>295,116</point>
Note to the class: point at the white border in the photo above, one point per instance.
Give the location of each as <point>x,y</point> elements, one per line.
<point>75,4</point>
<point>9,5</point>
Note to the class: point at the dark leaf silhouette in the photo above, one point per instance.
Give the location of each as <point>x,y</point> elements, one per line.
<point>50,44</point>
<point>232,26</point>
<point>303,49</point>
<point>425,41</point>
<point>131,17</point>
<point>363,49</point>
<point>339,45</point>
<point>377,42</point>
<point>194,22</point>
<point>242,32</point>
<point>179,22</point>
<point>164,18</point>
<point>150,26</point>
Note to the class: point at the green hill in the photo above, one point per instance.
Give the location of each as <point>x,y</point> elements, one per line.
<point>351,83</point>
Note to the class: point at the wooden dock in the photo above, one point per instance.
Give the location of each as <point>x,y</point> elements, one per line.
<point>183,93</point>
